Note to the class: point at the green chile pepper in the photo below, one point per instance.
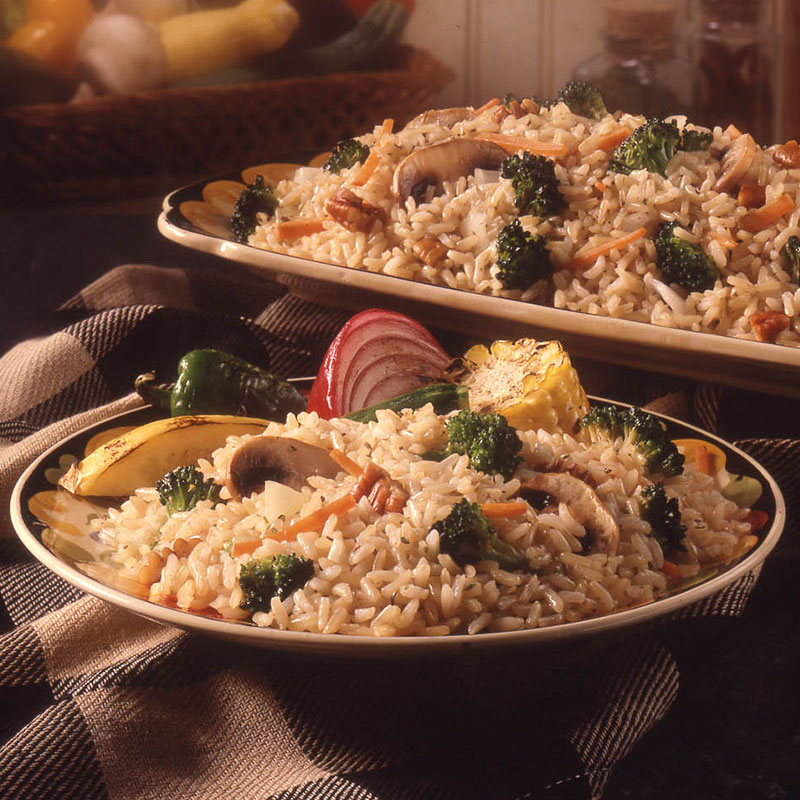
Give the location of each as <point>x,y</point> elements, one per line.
<point>213,382</point>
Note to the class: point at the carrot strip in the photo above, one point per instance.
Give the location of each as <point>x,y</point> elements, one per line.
<point>599,186</point>
<point>295,228</point>
<point>726,240</point>
<point>240,548</point>
<point>387,126</point>
<point>347,463</point>
<point>587,258</point>
<point>495,101</point>
<point>671,571</point>
<point>757,519</point>
<point>702,459</point>
<point>760,218</point>
<point>512,144</point>
<point>611,140</point>
<point>317,518</point>
<point>367,168</point>
<point>512,509</point>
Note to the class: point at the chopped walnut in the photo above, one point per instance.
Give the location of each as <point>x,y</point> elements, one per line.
<point>351,211</point>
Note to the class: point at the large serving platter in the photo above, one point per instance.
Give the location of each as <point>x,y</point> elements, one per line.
<point>54,526</point>
<point>196,216</point>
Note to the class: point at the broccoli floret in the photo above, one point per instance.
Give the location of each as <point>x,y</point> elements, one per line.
<point>184,487</point>
<point>255,198</point>
<point>650,147</point>
<point>791,252</point>
<point>696,140</point>
<point>535,185</point>
<point>490,442</point>
<point>664,517</point>
<point>522,257</point>
<point>467,536</point>
<point>584,99</point>
<point>682,262</point>
<point>264,578</point>
<point>645,431</point>
<point>346,153</point>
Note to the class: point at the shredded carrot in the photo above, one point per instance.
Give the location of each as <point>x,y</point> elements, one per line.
<point>512,509</point>
<point>295,228</point>
<point>387,126</point>
<point>611,140</point>
<point>495,101</point>
<point>726,240</point>
<point>760,218</point>
<point>587,258</point>
<point>702,459</point>
<point>367,168</point>
<point>347,463</point>
<point>599,186</point>
<point>757,519</point>
<point>512,144</point>
<point>671,571</point>
<point>240,548</point>
<point>317,519</point>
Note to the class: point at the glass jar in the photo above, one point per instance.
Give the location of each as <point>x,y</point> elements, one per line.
<point>733,48</point>
<point>640,70</point>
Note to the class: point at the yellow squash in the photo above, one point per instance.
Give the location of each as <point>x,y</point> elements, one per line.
<point>142,456</point>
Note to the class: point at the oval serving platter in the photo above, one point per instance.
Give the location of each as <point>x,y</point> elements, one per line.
<point>198,217</point>
<point>54,526</point>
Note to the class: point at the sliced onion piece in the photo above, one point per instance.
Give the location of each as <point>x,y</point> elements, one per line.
<point>484,176</point>
<point>668,294</point>
<point>378,354</point>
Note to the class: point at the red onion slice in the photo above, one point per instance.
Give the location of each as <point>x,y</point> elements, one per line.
<point>377,355</point>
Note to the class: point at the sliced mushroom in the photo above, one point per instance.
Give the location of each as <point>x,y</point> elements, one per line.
<point>736,161</point>
<point>446,117</point>
<point>276,458</point>
<point>444,161</point>
<point>584,505</point>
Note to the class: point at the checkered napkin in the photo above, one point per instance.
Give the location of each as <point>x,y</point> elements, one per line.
<point>98,703</point>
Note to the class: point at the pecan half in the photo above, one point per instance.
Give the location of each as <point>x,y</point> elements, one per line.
<point>766,325</point>
<point>787,155</point>
<point>751,196</point>
<point>351,211</point>
<point>429,250</point>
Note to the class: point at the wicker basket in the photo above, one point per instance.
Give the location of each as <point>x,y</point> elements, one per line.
<point>146,144</point>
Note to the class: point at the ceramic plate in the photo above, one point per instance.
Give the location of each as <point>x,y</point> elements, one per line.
<point>198,217</point>
<point>54,526</point>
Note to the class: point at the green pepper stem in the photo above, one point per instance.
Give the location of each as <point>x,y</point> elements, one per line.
<point>158,395</point>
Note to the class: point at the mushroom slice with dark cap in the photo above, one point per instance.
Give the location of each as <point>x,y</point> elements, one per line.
<point>443,161</point>
<point>276,458</point>
<point>446,117</point>
<point>584,505</point>
<point>737,160</point>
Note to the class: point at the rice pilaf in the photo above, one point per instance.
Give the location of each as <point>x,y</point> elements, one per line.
<point>384,574</point>
<point>465,219</point>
